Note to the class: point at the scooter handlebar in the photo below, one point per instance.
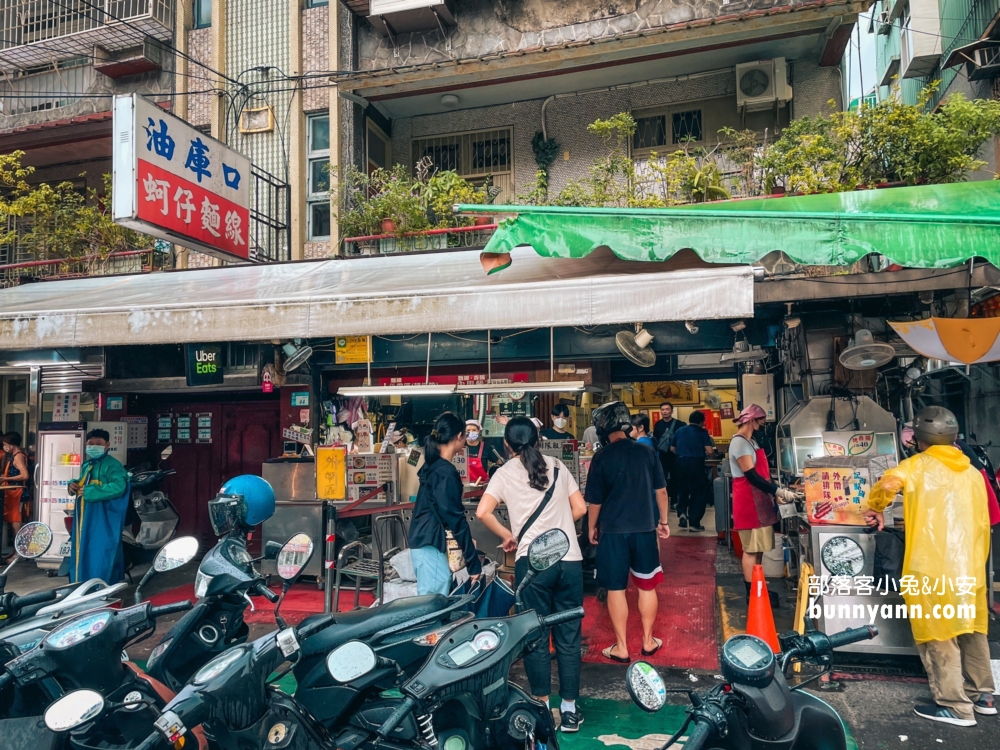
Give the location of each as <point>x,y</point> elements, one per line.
<point>396,717</point>
<point>37,597</point>
<point>264,591</point>
<point>697,737</point>
<point>169,609</point>
<point>852,635</point>
<point>560,617</point>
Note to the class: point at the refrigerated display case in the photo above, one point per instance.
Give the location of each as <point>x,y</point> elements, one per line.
<point>60,455</point>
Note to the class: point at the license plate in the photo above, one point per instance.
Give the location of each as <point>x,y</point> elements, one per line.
<point>64,549</point>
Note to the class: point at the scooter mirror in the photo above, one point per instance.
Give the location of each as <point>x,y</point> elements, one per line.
<point>293,557</point>
<point>645,686</point>
<point>349,662</point>
<point>175,553</point>
<point>33,540</point>
<point>547,549</point>
<point>166,452</point>
<point>73,709</point>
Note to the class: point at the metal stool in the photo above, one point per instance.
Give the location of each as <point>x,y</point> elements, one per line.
<point>365,567</point>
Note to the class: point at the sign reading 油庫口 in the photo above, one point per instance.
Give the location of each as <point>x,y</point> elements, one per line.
<point>174,182</point>
<point>204,366</point>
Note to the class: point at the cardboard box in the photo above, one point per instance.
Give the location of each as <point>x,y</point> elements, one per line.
<point>838,488</point>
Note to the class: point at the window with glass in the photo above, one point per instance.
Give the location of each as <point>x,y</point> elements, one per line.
<point>317,3</point>
<point>318,176</point>
<point>202,14</point>
<point>476,156</point>
<point>686,127</point>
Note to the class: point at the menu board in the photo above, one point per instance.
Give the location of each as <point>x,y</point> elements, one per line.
<point>138,432</point>
<point>838,489</point>
<point>567,451</point>
<point>369,471</point>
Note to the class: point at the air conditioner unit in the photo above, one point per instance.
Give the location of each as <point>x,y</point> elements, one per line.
<point>883,25</point>
<point>759,85</point>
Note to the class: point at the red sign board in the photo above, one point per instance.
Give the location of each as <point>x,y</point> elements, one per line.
<point>174,182</point>
<point>189,210</point>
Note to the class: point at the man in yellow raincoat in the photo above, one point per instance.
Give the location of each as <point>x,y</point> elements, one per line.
<point>944,567</point>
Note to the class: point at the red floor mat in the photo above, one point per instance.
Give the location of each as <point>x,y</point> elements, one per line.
<point>686,621</point>
<point>302,600</point>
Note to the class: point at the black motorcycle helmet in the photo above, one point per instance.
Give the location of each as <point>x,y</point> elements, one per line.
<point>610,418</point>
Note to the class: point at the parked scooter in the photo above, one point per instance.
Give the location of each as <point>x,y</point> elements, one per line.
<point>226,695</point>
<point>460,691</point>
<point>225,581</point>
<point>86,653</point>
<point>151,519</point>
<point>755,709</point>
<point>25,619</point>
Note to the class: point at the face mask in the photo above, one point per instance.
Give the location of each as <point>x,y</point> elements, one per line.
<point>95,451</point>
<point>473,436</point>
<point>560,422</point>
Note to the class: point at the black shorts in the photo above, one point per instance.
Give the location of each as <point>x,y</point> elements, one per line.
<point>618,555</point>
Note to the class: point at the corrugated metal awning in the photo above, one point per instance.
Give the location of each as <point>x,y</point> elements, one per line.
<point>378,295</point>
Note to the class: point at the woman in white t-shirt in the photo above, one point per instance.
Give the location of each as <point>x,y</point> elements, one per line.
<point>521,484</point>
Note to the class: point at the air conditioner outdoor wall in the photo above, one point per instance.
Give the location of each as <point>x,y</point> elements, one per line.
<point>761,84</point>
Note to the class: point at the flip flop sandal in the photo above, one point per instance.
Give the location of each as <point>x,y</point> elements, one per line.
<point>606,653</point>
<point>659,645</point>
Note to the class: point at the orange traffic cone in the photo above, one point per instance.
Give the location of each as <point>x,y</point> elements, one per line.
<point>760,621</point>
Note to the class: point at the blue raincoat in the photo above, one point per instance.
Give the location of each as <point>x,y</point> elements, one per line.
<point>98,520</point>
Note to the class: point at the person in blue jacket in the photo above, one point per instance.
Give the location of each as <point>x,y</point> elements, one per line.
<point>102,495</point>
<point>439,509</point>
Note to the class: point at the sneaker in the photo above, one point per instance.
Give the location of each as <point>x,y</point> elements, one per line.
<point>571,721</point>
<point>682,521</point>
<point>985,705</point>
<point>944,715</point>
<point>696,528</point>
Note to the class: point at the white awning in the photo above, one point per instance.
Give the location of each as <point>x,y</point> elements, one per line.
<point>378,295</point>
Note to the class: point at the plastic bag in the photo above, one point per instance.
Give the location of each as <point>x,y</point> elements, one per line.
<point>402,563</point>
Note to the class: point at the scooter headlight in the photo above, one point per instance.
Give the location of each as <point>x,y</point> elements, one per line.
<point>201,584</point>
<point>217,666</point>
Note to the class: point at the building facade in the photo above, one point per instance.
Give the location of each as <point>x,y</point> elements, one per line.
<point>924,41</point>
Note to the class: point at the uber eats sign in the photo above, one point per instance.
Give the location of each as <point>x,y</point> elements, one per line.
<point>204,364</point>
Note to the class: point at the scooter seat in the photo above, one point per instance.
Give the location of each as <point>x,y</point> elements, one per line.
<point>363,623</point>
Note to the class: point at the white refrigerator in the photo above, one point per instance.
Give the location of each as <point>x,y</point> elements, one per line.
<point>60,455</point>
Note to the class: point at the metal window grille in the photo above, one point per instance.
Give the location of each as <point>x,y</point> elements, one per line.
<point>69,378</point>
<point>30,21</point>
<point>44,91</point>
<point>270,236</point>
<point>650,132</point>
<point>686,126</point>
<point>486,152</point>
<point>242,357</point>
<point>474,156</point>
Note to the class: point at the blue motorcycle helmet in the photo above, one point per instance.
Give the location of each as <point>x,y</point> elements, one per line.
<point>243,501</point>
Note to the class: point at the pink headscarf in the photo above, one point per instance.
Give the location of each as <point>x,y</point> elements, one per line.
<point>750,413</point>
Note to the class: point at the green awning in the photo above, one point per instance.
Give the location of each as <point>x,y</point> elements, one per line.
<point>928,226</point>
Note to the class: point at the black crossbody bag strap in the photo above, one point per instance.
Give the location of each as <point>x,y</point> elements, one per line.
<point>541,506</point>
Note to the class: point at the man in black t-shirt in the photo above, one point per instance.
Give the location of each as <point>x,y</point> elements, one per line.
<point>624,478</point>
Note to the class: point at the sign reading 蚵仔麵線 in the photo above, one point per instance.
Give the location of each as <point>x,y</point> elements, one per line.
<point>174,182</point>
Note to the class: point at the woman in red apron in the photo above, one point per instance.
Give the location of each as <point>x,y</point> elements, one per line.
<point>754,508</point>
<point>476,446</point>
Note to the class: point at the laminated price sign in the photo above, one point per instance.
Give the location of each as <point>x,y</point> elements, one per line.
<point>174,182</point>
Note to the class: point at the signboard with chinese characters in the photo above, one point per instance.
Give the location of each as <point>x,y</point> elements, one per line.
<point>838,488</point>
<point>567,451</point>
<point>353,350</point>
<point>675,391</point>
<point>174,182</point>
<point>66,407</point>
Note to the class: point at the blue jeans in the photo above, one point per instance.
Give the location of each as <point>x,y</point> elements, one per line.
<point>433,574</point>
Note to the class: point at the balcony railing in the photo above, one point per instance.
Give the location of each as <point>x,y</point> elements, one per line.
<point>34,32</point>
<point>429,240</point>
<point>962,22</point>
<point>115,264</point>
